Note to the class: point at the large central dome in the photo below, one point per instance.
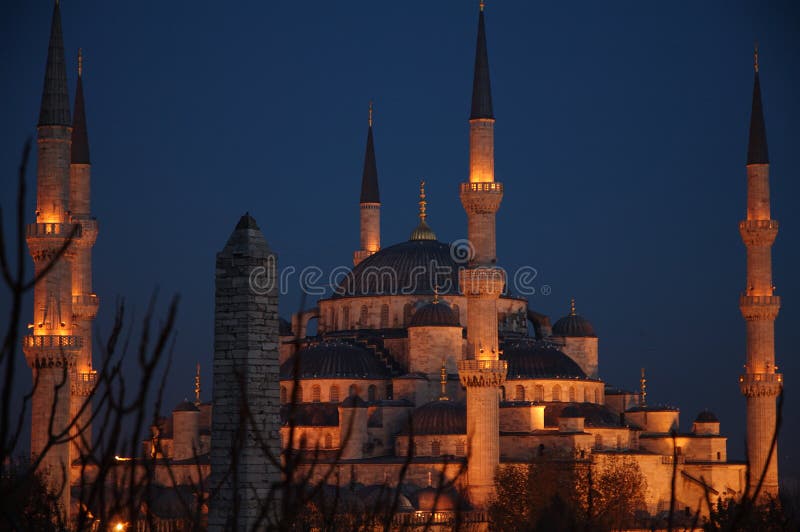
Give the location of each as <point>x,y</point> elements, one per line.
<point>415,267</point>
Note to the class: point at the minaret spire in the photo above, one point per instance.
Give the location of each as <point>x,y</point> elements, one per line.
<point>481,84</point>
<point>757,146</point>
<point>761,382</point>
<point>80,135</point>
<point>54,110</point>
<point>197,386</point>
<point>370,200</point>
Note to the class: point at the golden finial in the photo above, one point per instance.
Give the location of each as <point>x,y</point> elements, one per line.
<point>422,203</point>
<point>572,306</point>
<point>755,57</point>
<point>370,113</point>
<point>436,293</point>
<point>197,386</point>
<point>643,385</point>
<point>443,382</point>
<point>482,4</point>
<point>80,62</point>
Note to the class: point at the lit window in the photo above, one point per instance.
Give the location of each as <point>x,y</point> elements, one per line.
<point>571,394</point>
<point>384,316</point>
<point>436,448</point>
<point>556,393</point>
<point>315,393</point>
<point>538,393</point>
<point>519,392</point>
<point>334,394</point>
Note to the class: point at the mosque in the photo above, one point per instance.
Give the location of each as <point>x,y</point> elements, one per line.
<point>424,367</point>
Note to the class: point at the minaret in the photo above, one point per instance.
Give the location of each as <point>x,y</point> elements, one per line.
<point>761,382</point>
<point>84,301</point>
<point>481,282</point>
<point>53,347</point>
<point>370,202</point>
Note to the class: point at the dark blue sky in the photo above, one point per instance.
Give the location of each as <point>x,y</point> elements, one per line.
<point>621,141</point>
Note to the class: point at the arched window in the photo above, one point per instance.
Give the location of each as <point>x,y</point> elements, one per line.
<point>597,396</point>
<point>619,442</point>
<point>586,395</point>
<point>460,448</point>
<point>436,448</point>
<point>598,441</point>
<point>556,393</point>
<point>332,322</point>
<point>345,318</point>
<point>538,393</point>
<point>571,394</point>
<point>299,394</point>
<point>502,393</point>
<point>284,396</point>
<point>353,390</point>
<point>384,316</point>
<point>315,394</point>
<point>519,392</point>
<point>334,394</point>
<point>372,393</point>
<point>364,318</point>
<point>328,441</point>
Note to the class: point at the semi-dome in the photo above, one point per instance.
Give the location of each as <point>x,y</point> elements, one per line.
<point>706,416</point>
<point>571,411</point>
<point>186,406</point>
<point>439,417</point>
<point>528,359</point>
<point>573,325</point>
<point>414,267</point>
<point>334,360</point>
<point>435,314</point>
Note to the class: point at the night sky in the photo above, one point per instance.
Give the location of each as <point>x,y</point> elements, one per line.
<point>621,140</point>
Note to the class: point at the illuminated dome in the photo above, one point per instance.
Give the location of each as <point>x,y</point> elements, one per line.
<point>334,360</point>
<point>529,359</point>
<point>435,314</point>
<point>406,268</point>
<point>439,417</point>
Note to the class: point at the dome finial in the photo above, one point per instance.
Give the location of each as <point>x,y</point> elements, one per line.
<point>482,4</point>
<point>443,382</point>
<point>422,203</point>
<point>643,388</point>
<point>572,306</point>
<point>755,57</point>
<point>197,386</point>
<point>370,113</point>
<point>435,293</point>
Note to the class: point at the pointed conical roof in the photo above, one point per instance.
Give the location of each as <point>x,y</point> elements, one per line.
<point>246,240</point>
<point>80,135</point>
<point>55,96</point>
<point>757,145</point>
<point>369,179</point>
<point>481,84</point>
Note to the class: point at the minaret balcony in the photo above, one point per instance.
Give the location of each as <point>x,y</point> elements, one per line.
<point>84,384</point>
<point>51,230</point>
<point>482,373</point>
<point>88,232</point>
<point>761,384</point>
<point>481,198</point>
<point>51,350</point>
<point>758,232</point>
<point>84,306</point>
<point>757,308</point>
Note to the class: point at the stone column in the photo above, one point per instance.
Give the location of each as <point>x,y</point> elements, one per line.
<point>245,444</point>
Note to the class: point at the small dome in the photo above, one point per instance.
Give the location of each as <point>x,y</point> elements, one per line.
<point>439,417</point>
<point>435,313</point>
<point>334,360</point>
<point>423,232</point>
<point>706,416</point>
<point>571,411</point>
<point>573,325</point>
<point>530,359</point>
<point>186,406</point>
